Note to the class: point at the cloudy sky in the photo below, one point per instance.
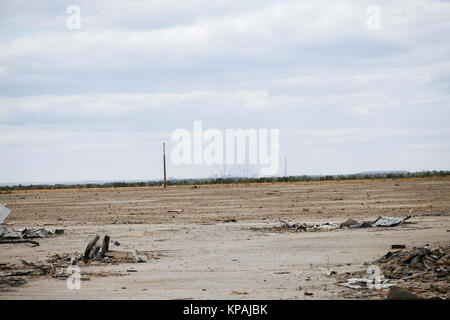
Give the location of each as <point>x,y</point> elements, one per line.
<point>96,103</point>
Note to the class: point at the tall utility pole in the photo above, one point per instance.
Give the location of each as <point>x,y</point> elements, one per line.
<point>285,166</point>
<point>164,160</point>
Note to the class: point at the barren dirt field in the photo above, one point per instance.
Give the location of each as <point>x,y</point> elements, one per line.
<point>197,254</point>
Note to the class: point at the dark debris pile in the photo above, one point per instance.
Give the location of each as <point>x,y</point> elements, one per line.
<point>423,271</point>
<point>424,263</point>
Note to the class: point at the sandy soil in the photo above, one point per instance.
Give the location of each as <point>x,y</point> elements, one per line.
<point>199,256</point>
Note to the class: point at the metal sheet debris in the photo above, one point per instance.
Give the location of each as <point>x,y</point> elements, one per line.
<point>4,212</point>
<point>26,233</point>
<point>365,283</point>
<point>383,221</point>
<point>297,227</point>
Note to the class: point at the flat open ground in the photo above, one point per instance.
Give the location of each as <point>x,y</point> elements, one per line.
<point>199,256</point>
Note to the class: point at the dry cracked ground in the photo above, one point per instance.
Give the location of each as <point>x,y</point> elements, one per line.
<point>196,254</point>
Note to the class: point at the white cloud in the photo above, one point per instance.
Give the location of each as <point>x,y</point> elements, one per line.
<point>143,67</point>
<point>272,29</point>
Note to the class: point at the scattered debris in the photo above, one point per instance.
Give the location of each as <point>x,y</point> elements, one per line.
<point>238,292</point>
<point>398,246</point>
<point>349,223</point>
<point>7,232</point>
<point>8,235</point>
<point>101,252</point>
<point>123,257</point>
<point>176,211</point>
<point>383,221</point>
<point>127,222</point>
<point>297,227</point>
<point>14,274</point>
<point>56,265</point>
<point>12,282</point>
<point>13,241</point>
<point>365,283</point>
<point>306,293</point>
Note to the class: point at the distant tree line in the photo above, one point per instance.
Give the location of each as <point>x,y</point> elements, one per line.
<point>421,174</point>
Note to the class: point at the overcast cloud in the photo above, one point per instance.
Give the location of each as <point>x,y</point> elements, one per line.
<point>96,103</point>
